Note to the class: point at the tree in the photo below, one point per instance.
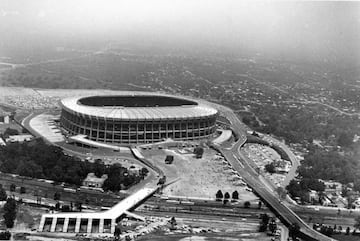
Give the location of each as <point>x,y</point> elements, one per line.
<point>78,206</point>
<point>247,204</point>
<point>264,222</point>
<point>347,231</point>
<point>65,208</point>
<point>173,223</point>
<point>9,212</point>
<point>357,222</point>
<point>272,226</point>
<point>219,195</point>
<point>281,192</point>
<point>57,196</point>
<point>10,132</point>
<point>99,167</point>
<point>57,206</point>
<point>270,168</point>
<point>5,235</point>
<point>198,151</point>
<point>144,171</point>
<point>22,190</point>
<point>226,197</point>
<point>12,187</point>
<point>345,139</point>
<point>169,159</point>
<point>117,232</point>
<point>235,195</point>
<point>294,230</point>
<point>3,195</point>
<point>116,177</point>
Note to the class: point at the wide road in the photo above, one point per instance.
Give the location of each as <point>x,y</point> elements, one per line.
<point>240,164</point>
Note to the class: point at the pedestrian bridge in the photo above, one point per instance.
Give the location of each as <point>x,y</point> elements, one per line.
<point>94,222</point>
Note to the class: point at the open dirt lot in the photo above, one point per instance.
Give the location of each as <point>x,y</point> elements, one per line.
<point>200,178</point>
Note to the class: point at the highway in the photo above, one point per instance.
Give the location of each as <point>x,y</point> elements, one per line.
<point>240,163</point>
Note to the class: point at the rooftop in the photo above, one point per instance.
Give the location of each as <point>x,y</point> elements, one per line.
<point>159,107</point>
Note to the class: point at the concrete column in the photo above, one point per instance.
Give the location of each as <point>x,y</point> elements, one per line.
<point>113,132</point>
<point>105,130</point>
<point>97,129</point>
<point>113,225</point>
<point>91,128</point>
<point>101,225</point>
<point>53,224</point>
<point>152,131</point>
<point>129,136</point>
<point>42,222</point>
<point>137,132</point>
<point>88,229</point>
<point>77,225</point>
<point>121,131</point>
<point>66,225</point>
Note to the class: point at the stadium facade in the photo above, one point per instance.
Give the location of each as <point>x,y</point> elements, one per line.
<point>137,118</point>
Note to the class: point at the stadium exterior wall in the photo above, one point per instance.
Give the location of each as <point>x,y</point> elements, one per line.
<point>117,130</point>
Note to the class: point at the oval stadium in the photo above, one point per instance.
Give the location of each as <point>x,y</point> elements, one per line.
<point>137,118</point>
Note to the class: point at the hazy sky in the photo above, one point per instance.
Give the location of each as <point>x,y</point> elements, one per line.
<point>301,26</point>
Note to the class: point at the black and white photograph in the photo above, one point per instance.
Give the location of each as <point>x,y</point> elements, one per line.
<point>179,120</point>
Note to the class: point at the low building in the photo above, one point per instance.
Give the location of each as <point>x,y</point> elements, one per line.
<point>332,187</point>
<point>282,166</point>
<point>93,181</point>
<point>134,169</point>
<point>19,138</point>
<point>313,196</point>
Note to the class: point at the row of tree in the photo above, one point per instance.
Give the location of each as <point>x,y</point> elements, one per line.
<point>220,196</point>
<point>235,196</point>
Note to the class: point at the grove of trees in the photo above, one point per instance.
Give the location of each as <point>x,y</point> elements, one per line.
<point>36,159</point>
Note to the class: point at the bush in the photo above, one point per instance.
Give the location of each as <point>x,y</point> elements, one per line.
<point>247,204</point>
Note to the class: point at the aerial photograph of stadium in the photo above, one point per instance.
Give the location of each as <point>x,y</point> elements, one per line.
<point>179,120</point>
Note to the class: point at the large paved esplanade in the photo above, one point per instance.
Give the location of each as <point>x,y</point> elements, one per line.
<point>137,118</point>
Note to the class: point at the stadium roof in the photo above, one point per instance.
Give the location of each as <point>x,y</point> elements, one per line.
<point>199,110</point>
